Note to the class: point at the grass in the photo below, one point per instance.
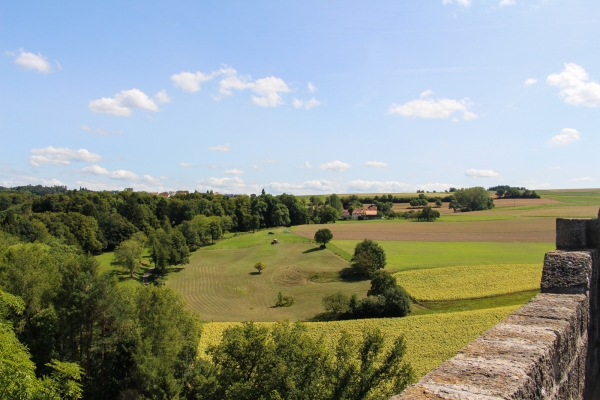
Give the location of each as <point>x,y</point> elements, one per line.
<point>403,256</point>
<point>106,267</point>
<point>221,284</point>
<point>431,339</point>
<point>458,283</point>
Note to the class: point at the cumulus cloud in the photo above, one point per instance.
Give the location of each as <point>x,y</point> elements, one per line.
<point>335,166</point>
<point>311,88</point>
<point>190,81</point>
<point>268,89</point>
<point>30,180</point>
<point>234,171</point>
<point>430,108</point>
<point>463,3</point>
<point>504,3</point>
<point>481,173</point>
<point>185,165</point>
<point>225,184</point>
<point>584,179</point>
<point>256,167</point>
<point>362,186</point>
<point>150,179</point>
<point>575,86</point>
<point>162,97</point>
<point>320,185</point>
<point>98,131</point>
<point>307,104</point>
<point>36,62</point>
<point>530,81</point>
<point>426,93</point>
<point>376,164</point>
<point>307,165</point>
<point>118,174</point>
<point>221,147</point>
<point>568,135</point>
<point>122,103</point>
<point>60,156</point>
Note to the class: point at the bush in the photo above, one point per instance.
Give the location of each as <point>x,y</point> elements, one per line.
<point>336,303</point>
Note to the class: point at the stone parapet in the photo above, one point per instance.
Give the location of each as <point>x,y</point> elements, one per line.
<point>547,349</point>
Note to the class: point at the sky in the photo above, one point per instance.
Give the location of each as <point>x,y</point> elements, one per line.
<point>301,97</point>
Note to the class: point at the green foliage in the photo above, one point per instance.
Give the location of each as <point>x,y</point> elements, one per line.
<point>128,255</point>
<point>368,257</point>
<point>474,199</point>
<point>284,301</point>
<point>323,236</point>
<point>428,214</point>
<point>259,266</point>
<point>380,282</point>
<point>336,303</point>
<point>284,362</point>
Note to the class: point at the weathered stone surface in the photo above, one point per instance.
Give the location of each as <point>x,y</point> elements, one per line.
<point>567,272</point>
<point>571,234</point>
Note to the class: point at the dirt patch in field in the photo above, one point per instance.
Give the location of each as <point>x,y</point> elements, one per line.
<point>514,230</point>
<point>290,276</point>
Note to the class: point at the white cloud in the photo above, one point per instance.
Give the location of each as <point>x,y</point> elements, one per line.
<point>122,103</point>
<point>151,179</point>
<point>567,136</point>
<point>575,86</point>
<point>185,165</point>
<point>376,164</point>
<point>429,108</point>
<point>268,89</point>
<point>306,104</point>
<point>320,185</point>
<point>162,97</point>
<point>335,166</point>
<point>221,147</point>
<point>228,185</point>
<point>307,165</point>
<point>234,171</point>
<point>60,156</point>
<point>99,131</point>
<point>584,179</point>
<point>189,81</point>
<point>311,88</point>
<point>504,3</point>
<point>257,168</point>
<point>530,81</point>
<point>426,93</point>
<point>463,3</point>
<point>358,186</point>
<point>24,180</point>
<point>118,174</point>
<point>32,61</point>
<point>481,173</point>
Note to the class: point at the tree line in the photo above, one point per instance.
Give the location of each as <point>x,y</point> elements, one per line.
<point>510,192</point>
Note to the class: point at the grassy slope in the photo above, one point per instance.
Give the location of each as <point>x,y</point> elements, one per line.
<point>221,284</point>
<point>402,256</point>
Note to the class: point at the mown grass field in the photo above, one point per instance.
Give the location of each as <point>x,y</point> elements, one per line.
<point>402,256</point>
<point>459,283</point>
<point>431,339</point>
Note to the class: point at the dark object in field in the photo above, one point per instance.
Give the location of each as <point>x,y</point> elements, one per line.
<point>275,241</point>
<point>271,233</point>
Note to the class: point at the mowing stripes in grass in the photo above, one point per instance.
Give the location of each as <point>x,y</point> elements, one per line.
<point>431,339</point>
<point>469,282</point>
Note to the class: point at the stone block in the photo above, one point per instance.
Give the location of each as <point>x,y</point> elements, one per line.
<point>571,233</point>
<point>567,272</point>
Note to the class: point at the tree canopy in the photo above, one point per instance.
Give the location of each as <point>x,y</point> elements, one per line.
<point>323,236</point>
<point>368,257</point>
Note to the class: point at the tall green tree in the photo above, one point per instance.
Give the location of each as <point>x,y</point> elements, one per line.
<point>323,236</point>
<point>128,255</point>
<point>368,257</point>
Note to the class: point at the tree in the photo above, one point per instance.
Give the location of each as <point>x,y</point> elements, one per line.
<point>428,214</point>
<point>259,266</point>
<point>335,202</point>
<point>128,255</point>
<point>329,214</point>
<point>438,202</point>
<point>215,230</point>
<point>380,282</point>
<point>474,199</point>
<point>368,258</point>
<point>336,303</point>
<point>323,236</point>
<point>455,205</point>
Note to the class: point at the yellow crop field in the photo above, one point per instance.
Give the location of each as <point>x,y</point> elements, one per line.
<point>431,339</point>
<point>469,282</point>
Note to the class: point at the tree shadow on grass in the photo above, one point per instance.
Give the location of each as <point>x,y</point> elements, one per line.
<point>254,273</point>
<point>313,250</point>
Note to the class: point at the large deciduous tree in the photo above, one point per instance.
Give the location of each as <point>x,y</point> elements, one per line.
<point>368,257</point>
<point>323,236</point>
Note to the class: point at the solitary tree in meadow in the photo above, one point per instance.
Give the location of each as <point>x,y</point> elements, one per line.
<point>129,255</point>
<point>368,258</point>
<point>323,236</point>
<point>259,266</point>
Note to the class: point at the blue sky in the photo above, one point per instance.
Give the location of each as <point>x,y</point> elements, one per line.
<point>300,97</point>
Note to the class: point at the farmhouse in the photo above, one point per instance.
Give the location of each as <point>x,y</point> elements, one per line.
<point>362,213</point>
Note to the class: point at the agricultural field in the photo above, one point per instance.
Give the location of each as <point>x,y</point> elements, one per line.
<point>468,282</point>
<point>431,339</point>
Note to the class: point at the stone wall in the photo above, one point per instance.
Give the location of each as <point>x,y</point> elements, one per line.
<point>547,349</point>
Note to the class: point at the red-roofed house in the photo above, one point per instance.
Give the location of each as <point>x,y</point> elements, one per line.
<point>365,213</point>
